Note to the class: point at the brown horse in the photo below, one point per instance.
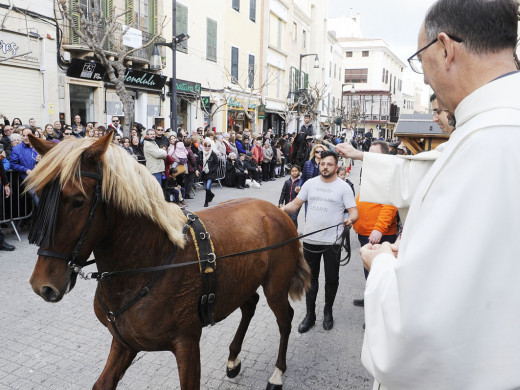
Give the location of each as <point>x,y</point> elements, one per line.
<point>134,227</point>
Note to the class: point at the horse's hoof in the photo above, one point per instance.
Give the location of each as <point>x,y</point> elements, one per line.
<point>232,373</point>
<point>270,386</point>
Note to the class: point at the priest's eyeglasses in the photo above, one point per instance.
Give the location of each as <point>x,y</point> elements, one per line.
<point>416,63</point>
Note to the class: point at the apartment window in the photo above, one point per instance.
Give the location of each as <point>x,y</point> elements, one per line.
<point>234,64</point>
<point>251,71</point>
<point>356,75</point>
<point>140,17</point>
<point>236,5</point>
<point>182,26</point>
<point>383,79</point>
<point>211,39</point>
<point>330,69</point>
<point>295,32</point>
<point>386,77</point>
<point>348,54</point>
<point>365,53</point>
<point>335,69</point>
<point>275,31</point>
<point>331,49</point>
<point>304,39</point>
<point>252,10</point>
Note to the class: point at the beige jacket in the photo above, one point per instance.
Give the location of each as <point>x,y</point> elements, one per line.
<point>154,156</point>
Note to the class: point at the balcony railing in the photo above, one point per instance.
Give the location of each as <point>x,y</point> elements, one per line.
<point>114,43</point>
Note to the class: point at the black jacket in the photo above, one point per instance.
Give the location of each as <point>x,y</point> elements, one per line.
<point>213,164</point>
<point>288,191</point>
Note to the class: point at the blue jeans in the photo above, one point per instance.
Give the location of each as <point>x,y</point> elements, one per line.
<point>207,184</point>
<point>158,176</point>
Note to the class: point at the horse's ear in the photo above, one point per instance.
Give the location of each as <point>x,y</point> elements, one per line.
<point>41,145</point>
<point>95,151</point>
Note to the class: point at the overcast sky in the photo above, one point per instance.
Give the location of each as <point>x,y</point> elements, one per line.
<point>395,21</point>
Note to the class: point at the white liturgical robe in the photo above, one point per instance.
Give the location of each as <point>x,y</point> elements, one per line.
<point>446,313</point>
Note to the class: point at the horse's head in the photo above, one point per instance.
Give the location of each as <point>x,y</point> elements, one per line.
<point>70,217</point>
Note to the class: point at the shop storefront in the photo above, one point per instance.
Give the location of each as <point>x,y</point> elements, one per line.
<point>188,95</point>
<point>84,91</point>
<point>146,90</point>
<point>236,117</point>
<point>23,84</point>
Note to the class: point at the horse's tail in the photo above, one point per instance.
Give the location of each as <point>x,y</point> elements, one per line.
<point>301,280</point>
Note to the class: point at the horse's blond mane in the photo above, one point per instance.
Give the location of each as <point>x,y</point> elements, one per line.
<point>128,185</point>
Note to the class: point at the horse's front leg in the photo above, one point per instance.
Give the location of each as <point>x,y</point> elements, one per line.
<point>119,359</point>
<point>187,353</point>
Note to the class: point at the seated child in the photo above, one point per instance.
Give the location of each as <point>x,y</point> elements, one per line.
<point>173,191</point>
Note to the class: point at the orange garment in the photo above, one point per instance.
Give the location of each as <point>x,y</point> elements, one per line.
<point>375,216</point>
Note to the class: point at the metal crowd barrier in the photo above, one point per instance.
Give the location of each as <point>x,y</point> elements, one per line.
<point>18,206</point>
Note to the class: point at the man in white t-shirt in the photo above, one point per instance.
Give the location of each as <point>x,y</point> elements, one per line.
<point>328,196</point>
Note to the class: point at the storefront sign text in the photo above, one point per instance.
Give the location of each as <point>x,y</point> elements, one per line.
<point>89,70</point>
<point>144,79</point>
<point>236,103</point>
<point>188,87</point>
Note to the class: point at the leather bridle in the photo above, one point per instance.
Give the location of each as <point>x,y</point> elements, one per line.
<point>74,260</point>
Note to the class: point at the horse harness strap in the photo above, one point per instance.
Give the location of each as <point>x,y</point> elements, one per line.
<point>207,265</point>
<point>112,315</point>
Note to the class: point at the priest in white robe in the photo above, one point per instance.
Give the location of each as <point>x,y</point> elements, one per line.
<point>444,311</point>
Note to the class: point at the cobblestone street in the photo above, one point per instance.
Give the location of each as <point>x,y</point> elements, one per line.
<point>63,346</point>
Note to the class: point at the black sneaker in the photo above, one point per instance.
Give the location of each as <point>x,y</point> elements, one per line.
<point>7,247</point>
<point>359,302</point>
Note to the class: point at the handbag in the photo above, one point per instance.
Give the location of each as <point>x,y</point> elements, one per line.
<point>181,168</point>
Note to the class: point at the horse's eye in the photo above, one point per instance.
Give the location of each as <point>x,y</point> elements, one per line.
<point>77,202</point>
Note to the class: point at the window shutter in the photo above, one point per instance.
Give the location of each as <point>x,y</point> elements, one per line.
<point>251,71</point>
<point>182,26</point>
<point>252,10</point>
<point>234,64</point>
<point>129,16</point>
<point>211,40</point>
<point>153,19</point>
<point>305,80</point>
<point>76,21</point>
<point>108,9</point>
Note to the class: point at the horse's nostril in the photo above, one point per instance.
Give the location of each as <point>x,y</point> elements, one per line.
<point>49,294</point>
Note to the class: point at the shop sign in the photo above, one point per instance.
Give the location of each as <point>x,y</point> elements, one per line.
<point>205,101</point>
<point>20,48</point>
<point>237,103</point>
<point>144,79</point>
<point>188,87</point>
<point>261,111</point>
<point>89,70</point>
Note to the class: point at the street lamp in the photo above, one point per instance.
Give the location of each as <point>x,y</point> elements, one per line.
<point>316,65</point>
<point>156,64</point>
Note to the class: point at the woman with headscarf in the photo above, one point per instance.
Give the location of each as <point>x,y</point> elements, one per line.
<point>209,163</point>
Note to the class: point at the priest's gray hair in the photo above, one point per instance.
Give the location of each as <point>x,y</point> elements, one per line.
<point>485,26</point>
